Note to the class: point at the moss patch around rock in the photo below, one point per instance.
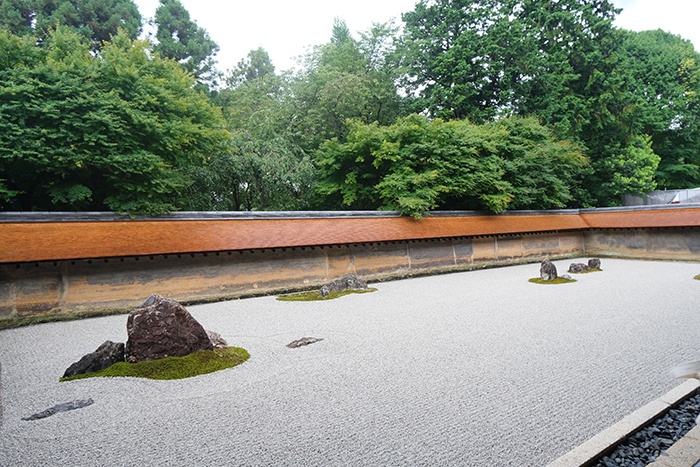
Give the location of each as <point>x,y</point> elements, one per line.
<point>697,278</point>
<point>316,295</point>
<point>197,363</point>
<point>558,280</point>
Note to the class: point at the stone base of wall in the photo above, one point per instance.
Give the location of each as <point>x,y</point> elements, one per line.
<point>84,287</point>
<point>682,243</point>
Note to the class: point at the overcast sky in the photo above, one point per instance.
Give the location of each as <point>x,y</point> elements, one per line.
<point>287,28</point>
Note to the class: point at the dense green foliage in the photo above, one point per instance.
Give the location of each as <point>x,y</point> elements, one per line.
<point>344,79</point>
<point>95,20</point>
<point>664,72</point>
<point>485,59</point>
<point>194,364</point>
<point>472,104</point>
<point>264,168</point>
<point>419,164</point>
<point>79,132</point>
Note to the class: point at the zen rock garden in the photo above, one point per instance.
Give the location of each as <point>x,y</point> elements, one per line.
<point>347,284</point>
<point>159,328</point>
<point>577,268</point>
<point>162,327</point>
<point>548,271</point>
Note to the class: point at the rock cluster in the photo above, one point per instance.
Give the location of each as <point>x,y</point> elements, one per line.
<point>576,268</point>
<point>159,328</point>
<point>349,282</point>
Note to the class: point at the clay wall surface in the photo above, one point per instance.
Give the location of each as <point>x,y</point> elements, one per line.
<point>51,267</point>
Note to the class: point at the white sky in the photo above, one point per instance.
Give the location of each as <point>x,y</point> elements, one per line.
<point>287,28</point>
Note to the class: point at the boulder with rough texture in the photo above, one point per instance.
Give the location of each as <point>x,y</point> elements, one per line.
<point>594,263</point>
<point>548,271</point>
<point>577,268</point>
<point>216,340</point>
<point>350,282</point>
<point>161,328</point>
<point>105,356</point>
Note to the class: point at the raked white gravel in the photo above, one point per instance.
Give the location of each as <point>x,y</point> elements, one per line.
<point>475,368</point>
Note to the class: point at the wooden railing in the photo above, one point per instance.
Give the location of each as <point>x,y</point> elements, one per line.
<point>30,237</point>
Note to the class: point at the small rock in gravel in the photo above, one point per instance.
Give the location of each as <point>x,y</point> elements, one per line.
<point>65,407</point>
<point>303,341</point>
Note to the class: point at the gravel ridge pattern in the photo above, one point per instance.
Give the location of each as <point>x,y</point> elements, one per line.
<point>473,368</point>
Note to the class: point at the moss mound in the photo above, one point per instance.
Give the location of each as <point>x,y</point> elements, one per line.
<point>558,280</point>
<point>316,295</point>
<point>697,278</point>
<point>197,363</point>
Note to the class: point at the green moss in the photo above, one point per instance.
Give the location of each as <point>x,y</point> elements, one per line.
<point>697,278</point>
<point>558,280</point>
<point>587,271</point>
<point>316,295</point>
<point>197,363</point>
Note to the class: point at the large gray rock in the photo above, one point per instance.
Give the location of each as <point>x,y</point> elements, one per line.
<point>350,282</point>
<point>163,328</point>
<point>594,263</point>
<point>105,356</point>
<point>548,271</point>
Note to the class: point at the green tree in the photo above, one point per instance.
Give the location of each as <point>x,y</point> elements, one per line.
<point>557,61</point>
<point>455,52</point>
<point>95,20</point>
<point>264,169</point>
<point>257,64</point>
<point>416,165</point>
<point>181,39</point>
<point>81,132</point>
<point>344,79</point>
<point>631,169</point>
<point>664,73</point>
<point>17,16</point>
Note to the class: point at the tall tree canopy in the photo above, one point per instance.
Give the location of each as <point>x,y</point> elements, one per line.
<point>95,20</point>
<point>264,169</point>
<point>181,39</point>
<point>345,79</point>
<point>80,132</point>
<point>664,74</point>
<point>475,104</point>
<point>558,61</point>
